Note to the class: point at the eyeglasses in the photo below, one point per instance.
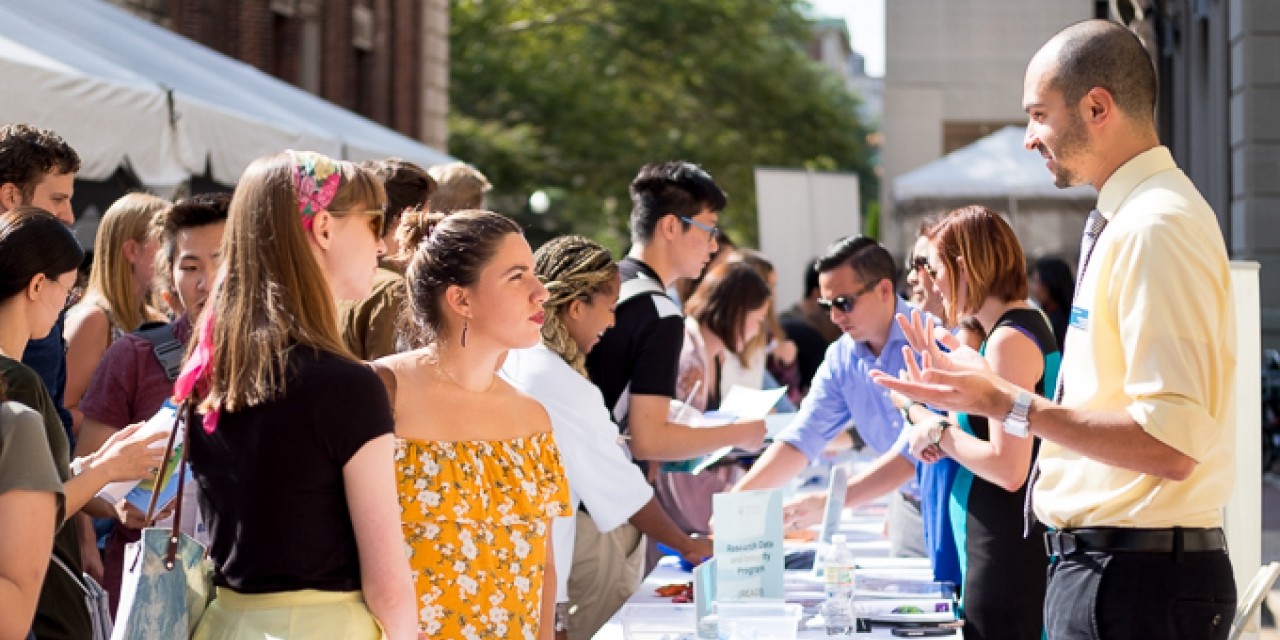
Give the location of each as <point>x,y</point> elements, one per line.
<point>71,295</point>
<point>714,232</point>
<point>845,303</point>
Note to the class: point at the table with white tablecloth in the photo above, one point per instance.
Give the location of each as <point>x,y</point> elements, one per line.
<point>864,528</point>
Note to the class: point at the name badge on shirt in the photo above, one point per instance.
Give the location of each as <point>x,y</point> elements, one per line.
<point>1080,318</point>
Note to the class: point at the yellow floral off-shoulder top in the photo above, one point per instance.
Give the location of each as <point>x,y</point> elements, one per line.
<point>476,516</point>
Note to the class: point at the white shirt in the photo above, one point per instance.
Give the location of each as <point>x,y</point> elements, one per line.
<point>600,474</point>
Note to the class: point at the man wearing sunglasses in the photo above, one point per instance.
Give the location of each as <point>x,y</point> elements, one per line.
<point>856,281</point>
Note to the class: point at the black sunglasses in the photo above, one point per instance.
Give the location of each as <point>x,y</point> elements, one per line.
<point>845,303</point>
<point>922,262</point>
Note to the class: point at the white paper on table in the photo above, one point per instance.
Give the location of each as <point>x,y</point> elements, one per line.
<point>750,404</point>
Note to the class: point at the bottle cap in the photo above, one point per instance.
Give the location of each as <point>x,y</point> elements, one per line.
<point>839,538</point>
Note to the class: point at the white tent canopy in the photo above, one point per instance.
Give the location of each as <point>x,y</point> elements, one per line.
<point>997,166</point>
<point>124,91</point>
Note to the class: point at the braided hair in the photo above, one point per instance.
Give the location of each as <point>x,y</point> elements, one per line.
<point>572,268</point>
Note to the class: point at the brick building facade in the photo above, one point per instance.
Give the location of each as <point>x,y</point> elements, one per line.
<point>387,60</point>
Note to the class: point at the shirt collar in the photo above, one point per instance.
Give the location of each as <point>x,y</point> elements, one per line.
<point>1131,174</point>
<point>643,268</point>
<point>896,338</point>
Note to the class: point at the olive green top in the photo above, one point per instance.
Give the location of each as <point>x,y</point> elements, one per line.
<point>61,612</point>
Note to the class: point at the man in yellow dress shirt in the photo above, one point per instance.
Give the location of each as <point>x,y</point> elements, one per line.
<point>1136,461</point>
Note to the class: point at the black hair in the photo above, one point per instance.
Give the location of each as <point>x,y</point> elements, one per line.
<point>1101,53</point>
<point>871,261</point>
<point>33,241</point>
<point>675,188</point>
<point>1055,275</point>
<point>197,211</point>
<point>810,277</point>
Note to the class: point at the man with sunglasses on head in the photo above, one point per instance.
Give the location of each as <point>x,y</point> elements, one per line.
<point>856,279</point>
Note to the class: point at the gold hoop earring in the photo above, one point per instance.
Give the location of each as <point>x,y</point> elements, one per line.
<point>464,333</point>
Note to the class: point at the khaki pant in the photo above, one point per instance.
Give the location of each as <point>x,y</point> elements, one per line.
<point>607,569</point>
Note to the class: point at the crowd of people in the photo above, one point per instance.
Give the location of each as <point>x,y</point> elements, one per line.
<point>411,424</point>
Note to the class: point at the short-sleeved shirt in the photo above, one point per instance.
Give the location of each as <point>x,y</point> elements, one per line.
<point>641,353</point>
<point>369,326</point>
<point>599,472</point>
<point>1152,334</point>
<point>26,464</point>
<point>130,384</point>
<point>60,611</point>
<point>842,391</point>
<point>271,482</point>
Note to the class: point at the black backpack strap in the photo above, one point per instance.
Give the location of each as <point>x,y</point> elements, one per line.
<point>165,344</point>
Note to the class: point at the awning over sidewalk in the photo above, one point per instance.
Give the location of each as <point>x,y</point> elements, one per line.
<point>997,166</point>
<point>124,91</point>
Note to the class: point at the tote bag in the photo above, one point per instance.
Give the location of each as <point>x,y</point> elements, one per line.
<point>167,582</point>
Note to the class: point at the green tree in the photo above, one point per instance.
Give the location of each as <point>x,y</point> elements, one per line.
<point>573,96</point>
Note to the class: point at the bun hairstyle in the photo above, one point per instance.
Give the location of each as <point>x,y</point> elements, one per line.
<point>33,241</point>
<point>572,268</point>
<point>441,250</point>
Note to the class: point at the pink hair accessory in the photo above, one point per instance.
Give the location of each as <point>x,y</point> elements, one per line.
<point>194,377</point>
<point>315,181</point>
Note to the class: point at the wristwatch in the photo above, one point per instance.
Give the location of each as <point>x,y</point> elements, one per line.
<point>1015,424</point>
<point>906,413</point>
<point>935,431</point>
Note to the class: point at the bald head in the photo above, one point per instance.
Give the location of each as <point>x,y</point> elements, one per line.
<point>1101,53</point>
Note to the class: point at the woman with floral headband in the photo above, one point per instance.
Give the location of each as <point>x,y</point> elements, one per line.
<point>294,453</point>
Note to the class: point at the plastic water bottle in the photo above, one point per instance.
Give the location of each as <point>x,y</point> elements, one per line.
<point>839,576</point>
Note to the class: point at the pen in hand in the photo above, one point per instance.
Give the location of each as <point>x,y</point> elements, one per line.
<point>680,413</point>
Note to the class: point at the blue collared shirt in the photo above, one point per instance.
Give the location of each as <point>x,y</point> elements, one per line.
<point>843,392</point>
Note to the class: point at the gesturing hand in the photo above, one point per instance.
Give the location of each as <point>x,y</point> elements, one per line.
<point>957,381</point>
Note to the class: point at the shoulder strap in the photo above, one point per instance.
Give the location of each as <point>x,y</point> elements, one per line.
<point>165,344</point>
<point>67,570</point>
<point>388,380</point>
<point>637,286</point>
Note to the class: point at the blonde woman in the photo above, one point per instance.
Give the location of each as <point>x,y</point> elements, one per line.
<point>115,301</point>
<point>294,453</point>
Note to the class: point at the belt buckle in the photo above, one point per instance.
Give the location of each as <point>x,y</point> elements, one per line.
<point>1060,543</point>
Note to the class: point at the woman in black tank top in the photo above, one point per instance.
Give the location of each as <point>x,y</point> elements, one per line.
<point>979,270</point>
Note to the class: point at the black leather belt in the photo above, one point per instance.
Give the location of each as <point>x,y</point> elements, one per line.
<point>1121,539</point>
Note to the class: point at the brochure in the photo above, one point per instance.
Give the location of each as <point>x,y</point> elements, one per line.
<point>161,422</point>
